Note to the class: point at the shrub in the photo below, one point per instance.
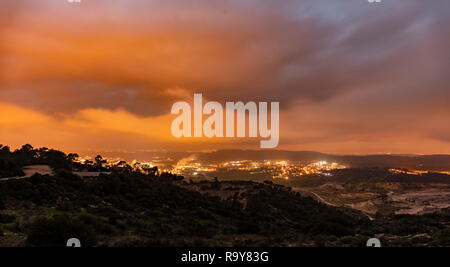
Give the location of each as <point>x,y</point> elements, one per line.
<point>56,231</point>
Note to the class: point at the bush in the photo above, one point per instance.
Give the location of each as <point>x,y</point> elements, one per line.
<point>5,218</point>
<point>2,204</point>
<point>56,231</point>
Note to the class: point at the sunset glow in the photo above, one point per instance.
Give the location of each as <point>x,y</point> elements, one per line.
<point>103,75</point>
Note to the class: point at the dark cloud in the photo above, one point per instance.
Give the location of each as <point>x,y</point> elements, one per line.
<point>379,69</point>
<point>128,55</point>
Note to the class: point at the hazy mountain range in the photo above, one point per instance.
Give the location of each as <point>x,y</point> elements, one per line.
<point>412,162</point>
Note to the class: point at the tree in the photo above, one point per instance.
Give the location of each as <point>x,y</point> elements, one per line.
<point>122,163</point>
<point>56,231</point>
<point>27,148</point>
<point>99,161</point>
<point>151,170</point>
<point>72,157</point>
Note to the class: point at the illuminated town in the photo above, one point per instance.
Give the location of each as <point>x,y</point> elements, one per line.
<point>415,172</point>
<point>192,168</point>
<point>278,169</point>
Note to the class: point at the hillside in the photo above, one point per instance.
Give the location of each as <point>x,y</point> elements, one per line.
<point>148,208</point>
<point>131,209</point>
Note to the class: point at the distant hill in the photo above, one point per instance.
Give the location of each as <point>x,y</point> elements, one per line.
<point>413,162</point>
<point>230,155</point>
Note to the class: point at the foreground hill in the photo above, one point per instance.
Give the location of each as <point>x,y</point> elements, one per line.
<point>132,209</point>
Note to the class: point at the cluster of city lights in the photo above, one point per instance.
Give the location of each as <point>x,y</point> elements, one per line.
<point>415,172</point>
<point>279,169</point>
<point>191,168</point>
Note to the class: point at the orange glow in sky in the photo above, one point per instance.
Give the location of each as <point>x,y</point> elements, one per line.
<point>103,74</point>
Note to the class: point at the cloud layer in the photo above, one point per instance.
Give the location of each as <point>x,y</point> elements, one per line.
<point>351,77</point>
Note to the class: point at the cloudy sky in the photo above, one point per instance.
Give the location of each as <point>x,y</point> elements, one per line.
<point>351,77</point>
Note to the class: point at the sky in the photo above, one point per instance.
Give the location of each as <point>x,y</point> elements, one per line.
<point>351,77</point>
